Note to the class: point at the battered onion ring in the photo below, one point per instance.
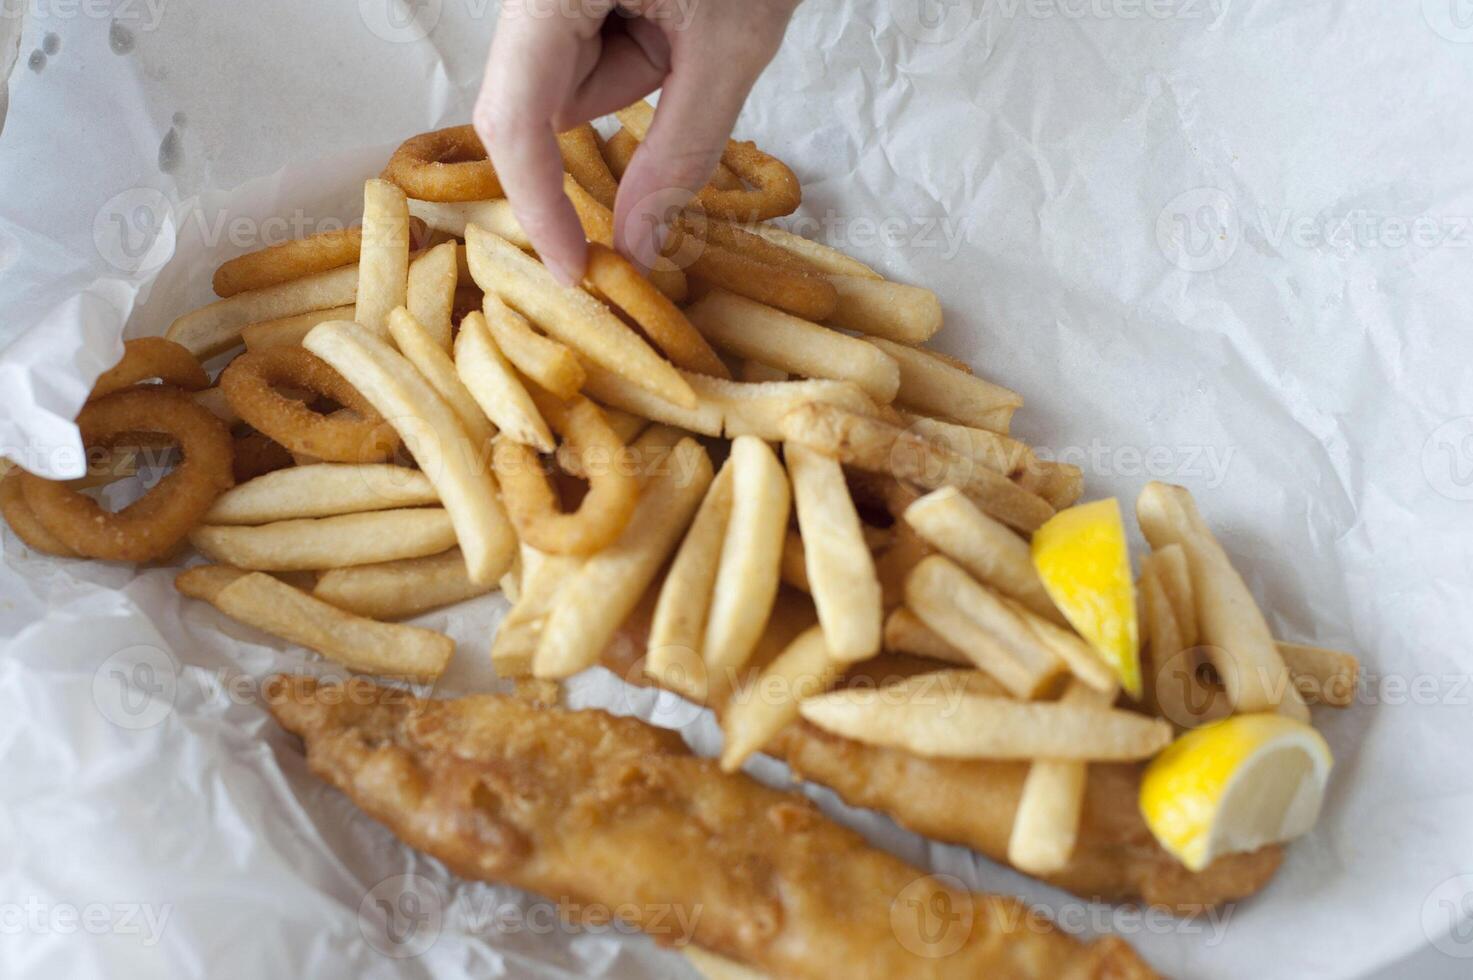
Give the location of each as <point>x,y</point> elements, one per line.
<point>256,454</point>
<point>152,357</point>
<point>774,189</point>
<point>248,384</point>
<point>531,501</point>
<point>289,260</point>
<point>447,165</point>
<point>22,519</point>
<point>152,526</point>
<point>810,297</point>
<point>613,278</point>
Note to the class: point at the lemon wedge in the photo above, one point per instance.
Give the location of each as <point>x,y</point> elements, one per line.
<point>1084,562</point>
<point>1235,785</point>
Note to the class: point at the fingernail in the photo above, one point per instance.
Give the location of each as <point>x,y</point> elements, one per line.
<point>563,274</point>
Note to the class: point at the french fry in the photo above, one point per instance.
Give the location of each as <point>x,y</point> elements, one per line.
<point>879,308</point>
<point>974,726</point>
<point>992,553</point>
<point>820,256</point>
<point>997,452</point>
<point>1175,578</point>
<point>328,542</point>
<point>542,359</point>
<point>571,316</point>
<point>494,384</point>
<point>981,625</point>
<point>399,589</point>
<point>384,260</point>
<point>496,216</point>
<point>759,710</point>
<point>592,604</point>
<point>755,372</point>
<point>879,447</point>
<point>840,569</point>
<point>613,391</point>
<point>938,389</point>
<point>1061,484</point>
<point>272,606</point>
<point>434,435</point>
<point>1081,659</point>
<point>811,297</point>
<point>430,295</point>
<point>749,329</point>
<point>1046,824</point>
<point>424,351</point>
<point>515,643</point>
<point>678,629</point>
<point>322,490</point>
<point>289,331</point>
<point>598,226</point>
<point>906,633</point>
<point>1228,619</point>
<point>214,329</point>
<point>1322,676</point>
<point>747,579</point>
<point>793,568</point>
<point>1175,691</point>
<point>585,163</point>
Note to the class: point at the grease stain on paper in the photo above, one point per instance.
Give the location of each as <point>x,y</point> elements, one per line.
<point>51,44</point>
<point>171,151</point>
<point>120,39</point>
<point>37,61</point>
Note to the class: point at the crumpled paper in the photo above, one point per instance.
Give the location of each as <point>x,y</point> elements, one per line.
<point>1224,244</point>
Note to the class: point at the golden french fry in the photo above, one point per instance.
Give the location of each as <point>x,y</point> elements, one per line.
<point>547,362</point>
<point>328,542</point>
<point>840,569</point>
<point>906,633</point>
<point>322,490</point>
<point>516,639</point>
<point>974,726</point>
<point>747,579</point>
<point>360,644</point>
<point>678,628</point>
<point>434,435</point>
<point>1081,659</point>
<point>495,216</point>
<point>430,295</point>
<point>429,358</point>
<point>997,452</point>
<point>749,329</point>
<point>1228,619</point>
<point>757,711</point>
<point>1046,824</point>
<point>216,328</point>
<point>891,310</point>
<point>939,389</point>
<point>793,569</point>
<point>1061,484</point>
<point>879,447</point>
<point>1175,578</point>
<point>399,589</point>
<point>982,626</point>
<point>1322,676</point>
<point>1174,690</point>
<point>820,256</point>
<point>494,384</point>
<point>571,315</point>
<point>383,263</point>
<point>593,603</point>
<point>992,553</point>
<point>288,331</point>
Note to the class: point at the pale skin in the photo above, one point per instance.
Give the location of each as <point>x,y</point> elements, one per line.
<point>557,63</point>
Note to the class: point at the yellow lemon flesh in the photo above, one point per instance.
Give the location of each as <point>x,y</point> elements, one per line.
<point>1084,562</point>
<point>1235,785</point>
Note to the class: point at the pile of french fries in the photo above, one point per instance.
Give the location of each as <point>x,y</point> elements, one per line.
<point>840,468</point>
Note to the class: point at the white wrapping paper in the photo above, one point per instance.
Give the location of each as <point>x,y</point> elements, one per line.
<point>1222,244</point>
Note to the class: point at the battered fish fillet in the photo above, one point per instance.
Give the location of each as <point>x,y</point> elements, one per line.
<point>973,802</point>
<point>591,809</point>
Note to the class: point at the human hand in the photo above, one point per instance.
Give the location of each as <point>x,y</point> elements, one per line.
<point>557,63</point>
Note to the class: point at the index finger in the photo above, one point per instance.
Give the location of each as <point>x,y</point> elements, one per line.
<point>531,72</point>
